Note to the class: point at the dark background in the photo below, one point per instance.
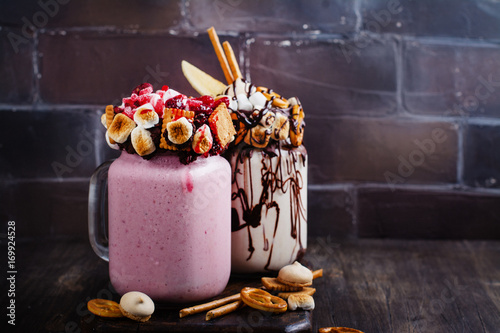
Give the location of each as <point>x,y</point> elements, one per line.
<point>402,102</point>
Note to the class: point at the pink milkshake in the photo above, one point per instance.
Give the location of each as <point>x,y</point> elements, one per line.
<point>169,226</point>
<point>169,196</point>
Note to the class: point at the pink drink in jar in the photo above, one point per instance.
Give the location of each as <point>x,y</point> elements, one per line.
<point>169,198</point>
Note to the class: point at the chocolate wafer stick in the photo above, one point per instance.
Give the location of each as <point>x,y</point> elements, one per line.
<point>231,59</point>
<point>220,55</point>
<point>208,306</point>
<point>223,310</point>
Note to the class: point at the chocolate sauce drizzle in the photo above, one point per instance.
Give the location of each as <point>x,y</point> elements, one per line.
<point>272,180</point>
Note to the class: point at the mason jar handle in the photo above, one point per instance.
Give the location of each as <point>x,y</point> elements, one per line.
<point>98,217</point>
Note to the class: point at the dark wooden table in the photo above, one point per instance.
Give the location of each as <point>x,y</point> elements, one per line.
<point>372,285</point>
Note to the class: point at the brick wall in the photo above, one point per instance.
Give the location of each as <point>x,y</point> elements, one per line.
<point>402,101</point>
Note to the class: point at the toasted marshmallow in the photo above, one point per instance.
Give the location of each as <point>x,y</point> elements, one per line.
<point>111,145</point>
<point>258,136</point>
<point>179,131</point>
<point>146,116</point>
<point>202,140</point>
<point>142,141</point>
<point>120,128</point>
<point>267,119</point>
<point>281,127</point>
<point>243,103</point>
<point>300,301</point>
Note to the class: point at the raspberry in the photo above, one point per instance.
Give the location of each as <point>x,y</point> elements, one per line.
<point>195,104</point>
<point>177,102</point>
<point>200,118</point>
<point>132,101</point>
<point>164,88</point>
<point>129,112</point>
<point>207,100</point>
<point>146,91</point>
<point>160,93</point>
<point>143,99</point>
<point>143,86</point>
<point>118,109</point>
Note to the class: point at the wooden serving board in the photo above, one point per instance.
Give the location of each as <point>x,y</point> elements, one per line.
<point>166,318</point>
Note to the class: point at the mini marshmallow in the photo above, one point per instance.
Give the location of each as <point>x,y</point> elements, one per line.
<point>233,103</point>
<point>258,99</point>
<point>239,87</point>
<point>243,103</point>
<point>293,101</point>
<point>250,89</point>
<point>142,141</point>
<point>229,90</point>
<point>146,116</point>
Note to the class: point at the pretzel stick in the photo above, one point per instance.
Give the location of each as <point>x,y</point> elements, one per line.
<point>220,55</point>
<point>223,310</point>
<point>208,306</point>
<point>317,273</point>
<point>231,59</point>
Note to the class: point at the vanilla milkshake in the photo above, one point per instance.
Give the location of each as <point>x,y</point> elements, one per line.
<point>269,181</point>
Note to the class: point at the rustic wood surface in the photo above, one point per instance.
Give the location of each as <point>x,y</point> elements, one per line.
<point>372,285</point>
